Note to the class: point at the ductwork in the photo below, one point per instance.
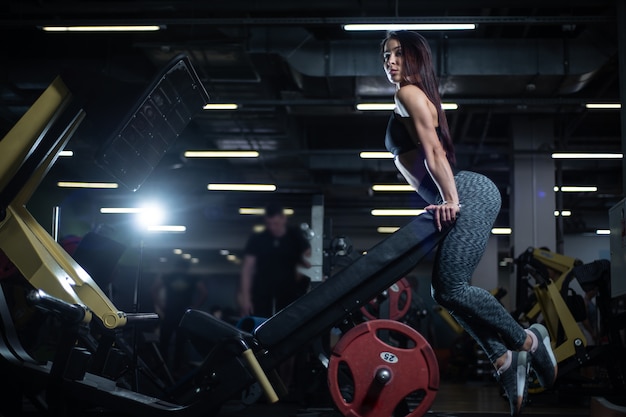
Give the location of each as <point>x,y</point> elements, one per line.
<point>572,61</point>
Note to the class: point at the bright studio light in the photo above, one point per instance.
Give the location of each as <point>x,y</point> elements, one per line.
<point>150,216</point>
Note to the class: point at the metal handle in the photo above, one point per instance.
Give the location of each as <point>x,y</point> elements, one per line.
<point>260,376</point>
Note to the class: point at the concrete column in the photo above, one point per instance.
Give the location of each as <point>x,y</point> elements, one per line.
<point>621,31</point>
<point>532,194</point>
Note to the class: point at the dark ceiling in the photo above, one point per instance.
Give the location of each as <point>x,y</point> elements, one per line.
<point>297,75</point>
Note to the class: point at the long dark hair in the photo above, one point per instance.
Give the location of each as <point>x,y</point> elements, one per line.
<point>418,70</point>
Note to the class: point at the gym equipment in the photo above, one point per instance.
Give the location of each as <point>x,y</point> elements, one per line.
<point>56,286</point>
<point>369,376</point>
<point>393,303</point>
<point>549,275</point>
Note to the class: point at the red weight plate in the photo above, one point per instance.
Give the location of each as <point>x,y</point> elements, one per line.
<point>395,353</point>
<point>399,294</point>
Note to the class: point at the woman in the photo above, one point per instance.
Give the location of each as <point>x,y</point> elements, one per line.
<point>468,202</point>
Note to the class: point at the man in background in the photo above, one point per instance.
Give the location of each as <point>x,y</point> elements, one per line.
<point>269,276</point>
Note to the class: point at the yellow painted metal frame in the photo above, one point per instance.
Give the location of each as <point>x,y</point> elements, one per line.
<point>39,258</point>
<point>552,307</point>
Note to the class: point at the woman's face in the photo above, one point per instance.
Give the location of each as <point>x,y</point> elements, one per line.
<point>392,61</point>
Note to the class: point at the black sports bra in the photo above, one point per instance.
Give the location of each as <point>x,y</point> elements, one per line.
<point>397,138</point>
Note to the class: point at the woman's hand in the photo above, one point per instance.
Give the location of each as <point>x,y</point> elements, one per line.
<point>445,213</point>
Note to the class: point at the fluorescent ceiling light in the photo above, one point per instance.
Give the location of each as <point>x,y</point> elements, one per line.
<point>603,105</point>
<point>397,212</point>
<point>392,106</point>
<point>576,189</point>
<point>102,28</point>
<point>375,106</point>
<point>603,232</point>
<point>387,229</point>
<point>195,260</point>
<point>392,187</point>
<point>72,184</point>
<point>259,211</point>
<point>562,155</point>
<point>121,210</point>
<point>178,251</point>
<point>564,213</point>
<point>221,106</point>
<point>408,26</point>
<point>167,228</point>
<point>241,187</point>
<point>376,155</point>
<point>186,256</point>
<point>501,231</point>
<point>224,252</point>
<point>221,154</point>
<point>66,153</point>
<point>258,228</point>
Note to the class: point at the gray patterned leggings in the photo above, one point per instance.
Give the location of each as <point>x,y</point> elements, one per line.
<point>475,309</point>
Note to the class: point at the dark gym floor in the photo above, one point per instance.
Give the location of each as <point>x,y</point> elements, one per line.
<point>471,399</point>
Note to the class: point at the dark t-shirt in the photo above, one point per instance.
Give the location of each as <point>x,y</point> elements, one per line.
<point>276,261</point>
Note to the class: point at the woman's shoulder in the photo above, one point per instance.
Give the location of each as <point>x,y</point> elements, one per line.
<point>410,97</point>
<point>410,90</point>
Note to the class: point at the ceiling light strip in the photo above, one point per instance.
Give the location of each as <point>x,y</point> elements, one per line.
<point>501,231</point>
<point>260,211</point>
<point>392,187</point>
<point>397,212</point>
<point>376,155</point>
<point>586,155</point>
<point>122,210</point>
<point>408,26</point>
<point>241,187</point>
<point>74,184</point>
<point>576,189</point>
<point>603,106</point>
<point>167,228</point>
<point>392,106</point>
<point>387,229</point>
<point>221,106</point>
<point>221,154</point>
<point>103,28</point>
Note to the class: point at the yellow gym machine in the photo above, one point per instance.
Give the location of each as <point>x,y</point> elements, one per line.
<point>549,274</point>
